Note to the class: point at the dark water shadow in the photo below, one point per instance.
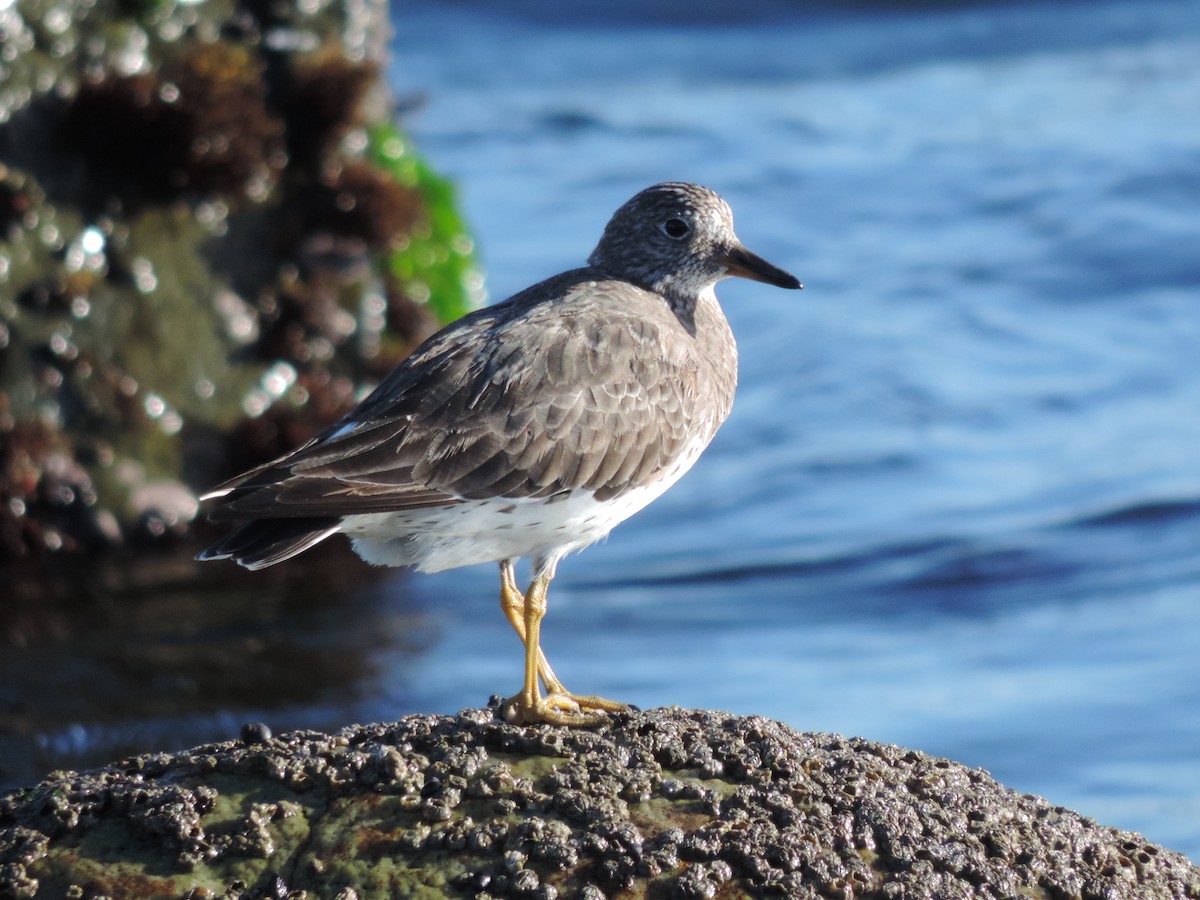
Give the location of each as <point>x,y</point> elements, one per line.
<point>122,656</point>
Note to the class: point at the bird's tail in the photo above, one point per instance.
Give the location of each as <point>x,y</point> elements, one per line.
<point>264,542</point>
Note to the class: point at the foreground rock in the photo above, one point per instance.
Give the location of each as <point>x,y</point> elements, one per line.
<point>660,804</point>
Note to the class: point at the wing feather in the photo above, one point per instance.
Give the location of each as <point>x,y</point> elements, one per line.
<point>500,405</point>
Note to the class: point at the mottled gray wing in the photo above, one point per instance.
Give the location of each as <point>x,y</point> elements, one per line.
<point>593,390</point>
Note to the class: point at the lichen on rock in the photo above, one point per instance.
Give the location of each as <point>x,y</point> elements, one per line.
<point>666,803</point>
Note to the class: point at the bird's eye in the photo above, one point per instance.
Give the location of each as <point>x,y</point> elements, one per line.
<point>675,228</point>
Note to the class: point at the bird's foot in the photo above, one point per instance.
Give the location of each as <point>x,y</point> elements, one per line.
<point>559,708</point>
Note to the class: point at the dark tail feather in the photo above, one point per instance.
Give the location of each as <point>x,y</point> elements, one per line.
<point>264,542</point>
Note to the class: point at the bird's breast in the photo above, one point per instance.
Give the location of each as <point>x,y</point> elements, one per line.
<point>716,358</point>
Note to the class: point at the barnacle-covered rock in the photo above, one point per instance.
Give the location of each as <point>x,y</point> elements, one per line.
<point>212,238</point>
<point>666,803</point>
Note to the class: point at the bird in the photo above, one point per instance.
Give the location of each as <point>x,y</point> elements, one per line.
<point>528,428</point>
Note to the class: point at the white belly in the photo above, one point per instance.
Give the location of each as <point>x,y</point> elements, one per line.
<point>476,531</point>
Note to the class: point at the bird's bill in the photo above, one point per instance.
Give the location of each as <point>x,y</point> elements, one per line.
<point>741,262</point>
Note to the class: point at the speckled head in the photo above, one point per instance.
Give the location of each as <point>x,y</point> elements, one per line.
<point>677,239</point>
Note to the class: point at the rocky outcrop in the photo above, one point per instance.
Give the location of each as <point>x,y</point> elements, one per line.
<point>666,803</point>
<point>212,237</point>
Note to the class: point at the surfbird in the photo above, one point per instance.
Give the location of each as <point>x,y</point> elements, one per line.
<point>529,428</point>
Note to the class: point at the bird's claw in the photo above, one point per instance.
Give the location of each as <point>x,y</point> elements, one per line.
<point>559,708</point>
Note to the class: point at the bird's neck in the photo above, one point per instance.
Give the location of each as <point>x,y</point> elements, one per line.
<point>692,308</point>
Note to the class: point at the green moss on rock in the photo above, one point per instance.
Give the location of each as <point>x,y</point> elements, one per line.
<point>435,261</point>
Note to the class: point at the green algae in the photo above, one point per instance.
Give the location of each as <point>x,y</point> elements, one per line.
<point>252,832</point>
<point>436,264</point>
<point>368,843</point>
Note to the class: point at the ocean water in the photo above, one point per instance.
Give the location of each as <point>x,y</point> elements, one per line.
<point>957,505</point>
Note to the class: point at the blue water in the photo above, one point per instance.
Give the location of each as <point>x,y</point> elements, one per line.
<point>957,505</point>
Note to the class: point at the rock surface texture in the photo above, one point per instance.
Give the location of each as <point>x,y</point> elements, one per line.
<point>212,237</point>
<point>666,803</point>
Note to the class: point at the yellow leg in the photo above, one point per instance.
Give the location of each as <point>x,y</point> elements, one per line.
<point>512,601</point>
<point>559,706</point>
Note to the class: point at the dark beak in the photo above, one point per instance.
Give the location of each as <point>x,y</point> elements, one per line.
<point>741,262</point>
